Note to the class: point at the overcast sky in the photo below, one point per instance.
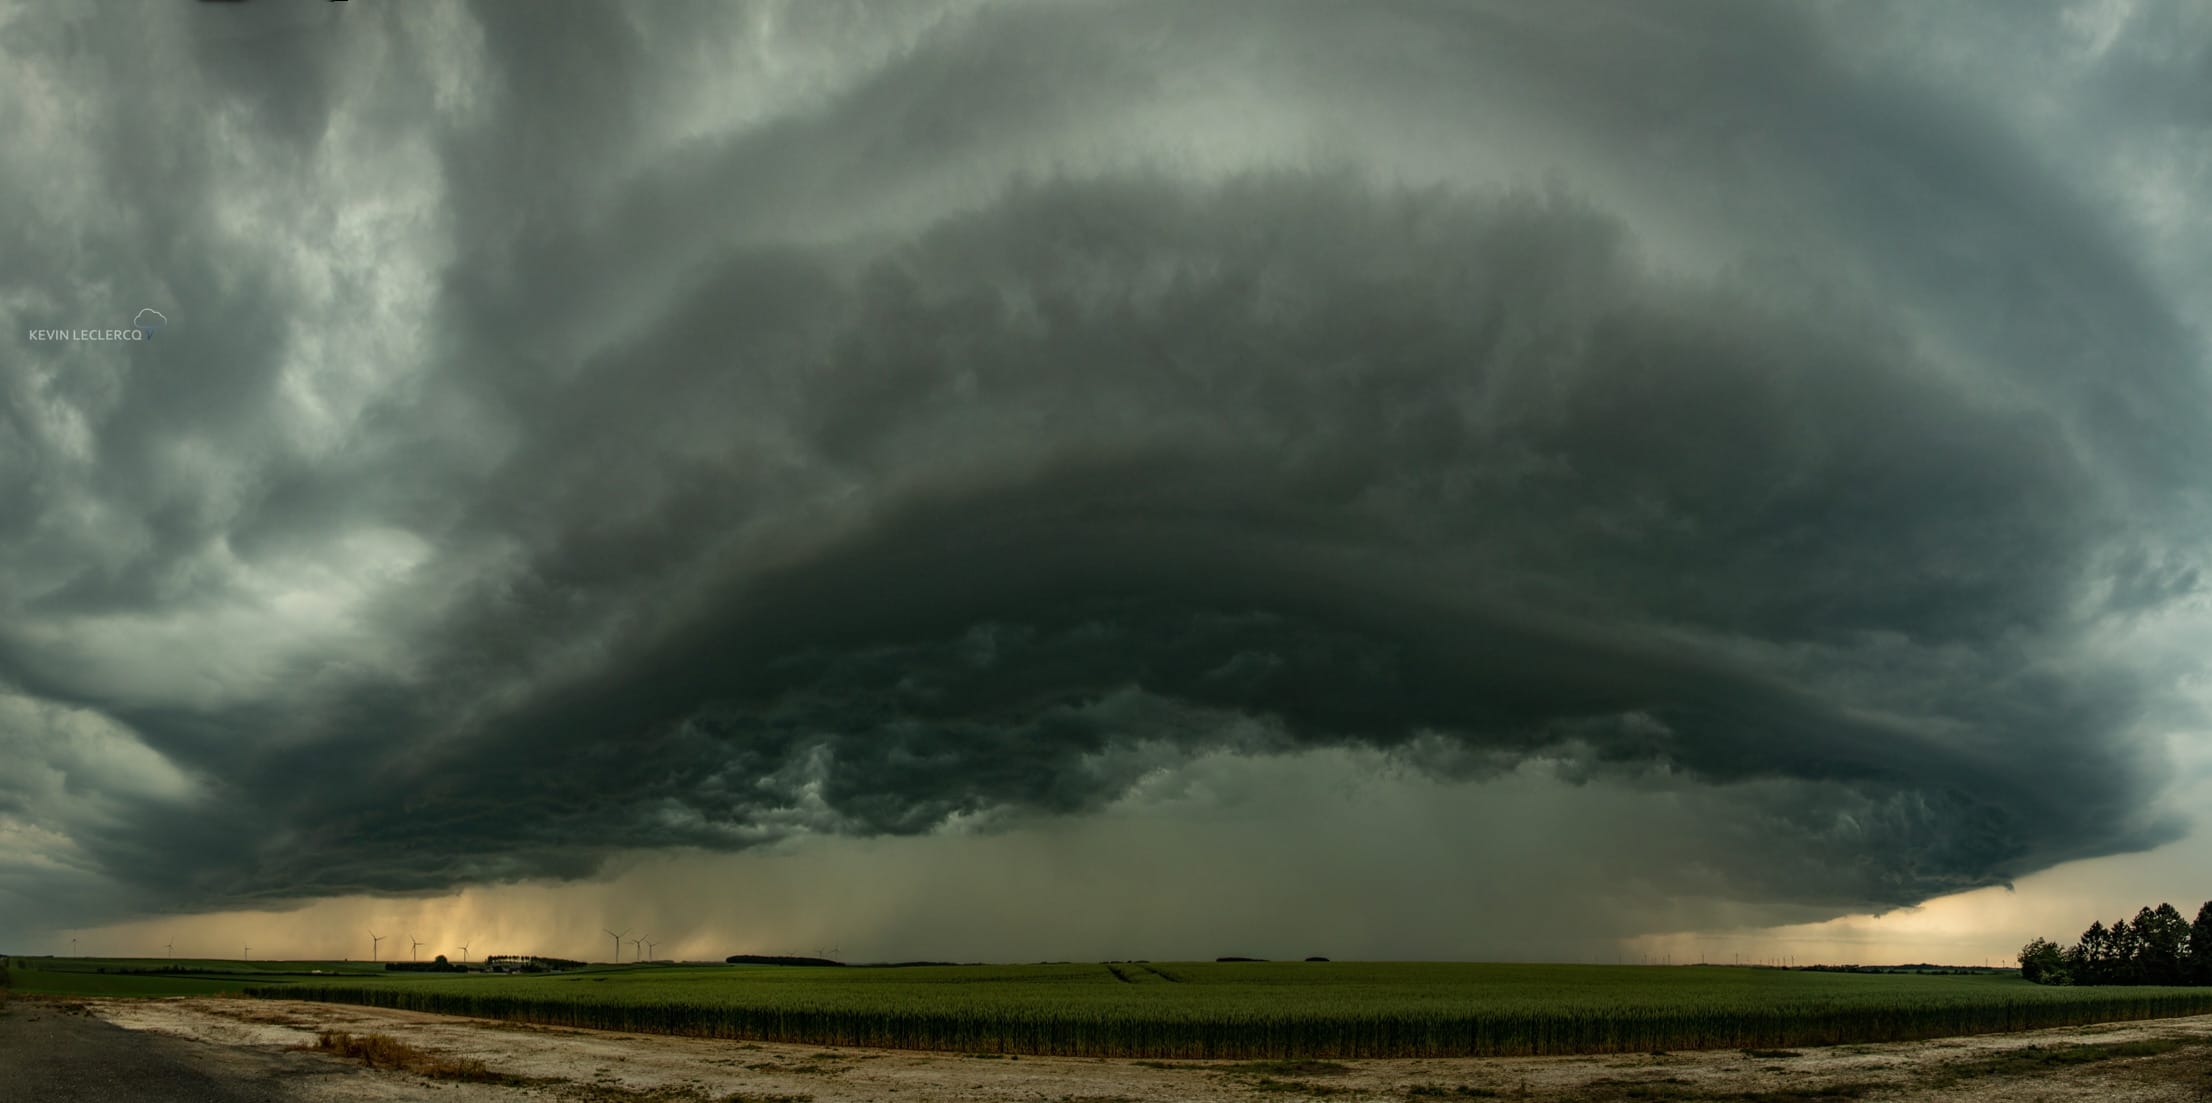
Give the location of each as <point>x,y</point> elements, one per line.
<point>1054,480</point>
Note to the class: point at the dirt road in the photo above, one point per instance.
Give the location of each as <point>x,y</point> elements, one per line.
<point>60,1053</point>
<point>2161,1061</point>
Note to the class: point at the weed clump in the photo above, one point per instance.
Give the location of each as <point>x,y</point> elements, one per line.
<point>382,1051</point>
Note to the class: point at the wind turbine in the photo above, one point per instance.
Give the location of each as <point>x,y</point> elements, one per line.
<point>617,943</point>
<point>249,953</point>
<point>72,947</point>
<point>416,944</point>
<point>637,949</point>
<point>649,954</point>
<point>172,946</point>
<point>374,938</point>
<point>464,952</point>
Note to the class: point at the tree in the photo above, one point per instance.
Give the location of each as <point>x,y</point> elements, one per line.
<point>2200,946</point>
<point>2127,954</point>
<point>2165,937</point>
<point>2043,962</point>
<point>2108,963</point>
<point>2091,958</point>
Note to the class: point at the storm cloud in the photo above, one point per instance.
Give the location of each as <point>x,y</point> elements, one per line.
<point>596,430</point>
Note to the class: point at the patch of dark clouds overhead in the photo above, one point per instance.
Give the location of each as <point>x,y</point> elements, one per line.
<point>999,507</point>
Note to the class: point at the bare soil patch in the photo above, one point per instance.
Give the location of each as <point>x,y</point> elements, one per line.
<point>2152,1061</point>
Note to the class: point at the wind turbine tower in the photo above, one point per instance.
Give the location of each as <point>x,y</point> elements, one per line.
<point>617,943</point>
<point>374,938</point>
<point>414,945</point>
<point>464,953</point>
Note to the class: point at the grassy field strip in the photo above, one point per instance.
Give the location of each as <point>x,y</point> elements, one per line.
<point>1266,1010</point>
<point>167,977</point>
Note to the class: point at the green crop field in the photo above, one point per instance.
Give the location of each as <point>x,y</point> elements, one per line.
<point>1258,1010</point>
<point>45,976</point>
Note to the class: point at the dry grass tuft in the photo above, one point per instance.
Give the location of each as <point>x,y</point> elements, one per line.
<point>382,1051</point>
<point>1291,1068</point>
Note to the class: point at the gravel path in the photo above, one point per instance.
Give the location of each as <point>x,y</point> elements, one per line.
<point>53,1052</point>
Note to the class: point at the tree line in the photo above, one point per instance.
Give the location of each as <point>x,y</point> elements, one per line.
<point>2158,947</point>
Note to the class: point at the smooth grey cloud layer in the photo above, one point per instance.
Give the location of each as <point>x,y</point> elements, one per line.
<point>727,422</point>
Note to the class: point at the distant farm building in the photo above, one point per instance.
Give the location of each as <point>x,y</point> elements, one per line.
<point>528,963</point>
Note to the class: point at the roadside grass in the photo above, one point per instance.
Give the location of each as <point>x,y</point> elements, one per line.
<point>2037,1059</point>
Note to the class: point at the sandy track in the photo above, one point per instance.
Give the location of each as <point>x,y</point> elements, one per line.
<point>609,1066</point>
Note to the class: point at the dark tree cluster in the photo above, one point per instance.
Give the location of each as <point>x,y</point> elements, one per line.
<point>2157,947</point>
<point>777,959</point>
<point>1921,970</point>
<point>441,965</point>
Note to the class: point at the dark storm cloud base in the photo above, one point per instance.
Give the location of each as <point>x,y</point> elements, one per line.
<point>1103,470</point>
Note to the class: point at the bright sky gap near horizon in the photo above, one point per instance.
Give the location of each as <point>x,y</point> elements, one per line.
<point>1410,479</point>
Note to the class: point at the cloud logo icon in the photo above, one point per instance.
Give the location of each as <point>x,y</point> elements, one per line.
<point>149,320</point>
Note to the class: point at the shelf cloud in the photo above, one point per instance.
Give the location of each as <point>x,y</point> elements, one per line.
<point>702,427</point>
